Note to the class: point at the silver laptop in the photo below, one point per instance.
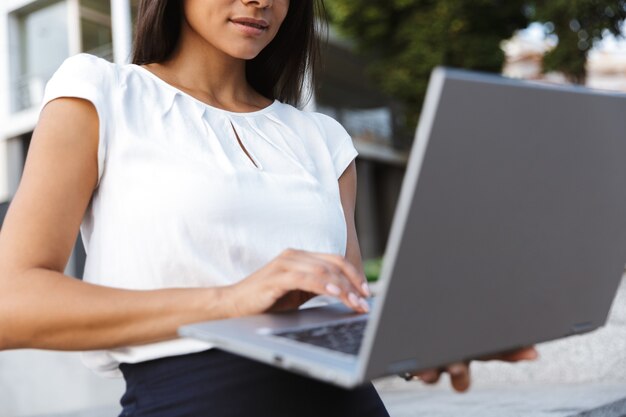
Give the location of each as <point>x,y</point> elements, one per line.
<point>510,230</point>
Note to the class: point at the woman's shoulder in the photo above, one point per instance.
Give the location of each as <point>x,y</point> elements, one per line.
<point>323,122</point>
<point>85,60</point>
<point>83,76</point>
<point>319,129</point>
<point>86,68</point>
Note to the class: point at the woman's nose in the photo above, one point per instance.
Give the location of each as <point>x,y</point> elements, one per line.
<point>261,4</point>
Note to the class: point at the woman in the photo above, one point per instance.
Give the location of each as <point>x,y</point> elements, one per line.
<point>201,193</point>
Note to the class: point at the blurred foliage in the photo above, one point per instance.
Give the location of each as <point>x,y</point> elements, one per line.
<point>405,39</point>
<point>579,25</point>
<point>372,268</point>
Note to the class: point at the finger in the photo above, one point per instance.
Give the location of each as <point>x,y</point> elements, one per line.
<point>459,376</point>
<point>430,376</point>
<point>349,270</point>
<point>313,265</point>
<point>528,353</point>
<point>299,278</point>
<point>309,265</point>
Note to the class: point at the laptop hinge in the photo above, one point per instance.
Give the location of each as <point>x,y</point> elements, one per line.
<point>579,328</point>
<point>402,366</point>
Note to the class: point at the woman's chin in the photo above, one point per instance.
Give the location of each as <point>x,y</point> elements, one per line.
<point>245,53</point>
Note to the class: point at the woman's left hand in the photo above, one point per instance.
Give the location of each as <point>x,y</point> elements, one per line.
<point>460,372</point>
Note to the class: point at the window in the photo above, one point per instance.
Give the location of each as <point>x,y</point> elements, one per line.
<point>95,24</point>
<point>42,46</point>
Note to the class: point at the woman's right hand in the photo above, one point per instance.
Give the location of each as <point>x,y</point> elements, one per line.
<point>295,276</point>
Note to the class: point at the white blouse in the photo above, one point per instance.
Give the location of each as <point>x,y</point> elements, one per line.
<point>180,204</point>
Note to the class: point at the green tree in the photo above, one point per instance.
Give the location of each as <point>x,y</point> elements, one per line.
<point>579,25</point>
<point>406,39</point>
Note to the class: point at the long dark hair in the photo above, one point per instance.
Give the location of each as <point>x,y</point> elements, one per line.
<point>278,72</point>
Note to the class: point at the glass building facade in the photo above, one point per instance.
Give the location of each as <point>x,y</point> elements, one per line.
<point>35,38</point>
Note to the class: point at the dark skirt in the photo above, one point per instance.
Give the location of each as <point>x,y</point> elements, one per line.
<point>216,383</point>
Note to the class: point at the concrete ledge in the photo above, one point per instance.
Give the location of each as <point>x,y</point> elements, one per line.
<point>111,411</point>
<point>580,400</point>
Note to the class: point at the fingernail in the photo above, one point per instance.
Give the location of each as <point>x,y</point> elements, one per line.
<point>364,304</point>
<point>366,289</point>
<point>354,300</point>
<point>333,289</point>
<point>456,370</point>
<point>429,376</point>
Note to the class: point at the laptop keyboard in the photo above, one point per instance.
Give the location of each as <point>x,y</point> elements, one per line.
<point>343,337</point>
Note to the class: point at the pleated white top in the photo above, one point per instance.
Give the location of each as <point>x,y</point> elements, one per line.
<point>180,204</point>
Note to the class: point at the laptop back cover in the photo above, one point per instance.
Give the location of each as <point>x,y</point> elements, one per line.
<point>515,232</point>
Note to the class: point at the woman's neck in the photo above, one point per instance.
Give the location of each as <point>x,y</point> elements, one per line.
<point>209,75</point>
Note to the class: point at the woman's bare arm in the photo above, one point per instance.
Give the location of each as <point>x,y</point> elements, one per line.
<point>39,306</point>
<point>347,191</point>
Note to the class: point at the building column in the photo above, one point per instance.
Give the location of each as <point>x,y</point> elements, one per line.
<point>122,31</point>
<point>4,67</point>
<point>5,103</point>
<point>74,36</point>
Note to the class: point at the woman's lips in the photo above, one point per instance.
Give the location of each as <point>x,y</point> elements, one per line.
<point>249,26</point>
